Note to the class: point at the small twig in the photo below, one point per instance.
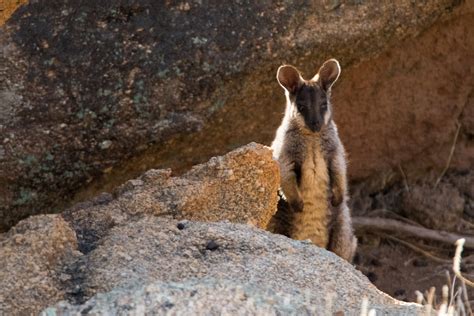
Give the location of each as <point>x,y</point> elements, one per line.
<point>335,4</point>
<point>430,276</point>
<point>404,219</point>
<point>457,262</point>
<point>466,299</point>
<point>467,223</point>
<point>443,308</point>
<point>460,303</point>
<point>448,277</point>
<point>453,147</point>
<point>405,180</point>
<point>451,305</point>
<point>417,249</point>
<point>430,297</point>
<point>451,288</point>
<point>396,227</point>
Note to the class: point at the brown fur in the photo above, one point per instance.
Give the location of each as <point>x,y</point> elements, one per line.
<point>312,164</point>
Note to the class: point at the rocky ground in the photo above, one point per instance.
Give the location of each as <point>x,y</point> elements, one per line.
<point>134,251</point>
<point>93,95</point>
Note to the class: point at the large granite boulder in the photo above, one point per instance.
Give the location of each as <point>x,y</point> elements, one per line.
<point>85,86</point>
<point>159,265</point>
<point>147,243</point>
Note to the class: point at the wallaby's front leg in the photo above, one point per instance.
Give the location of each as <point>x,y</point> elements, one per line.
<point>337,173</point>
<point>290,176</point>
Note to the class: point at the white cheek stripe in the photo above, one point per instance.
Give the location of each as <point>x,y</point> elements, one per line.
<point>327,116</point>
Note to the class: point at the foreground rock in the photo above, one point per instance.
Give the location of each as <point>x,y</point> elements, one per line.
<point>85,86</point>
<point>213,297</point>
<point>153,266</point>
<point>141,249</point>
<point>240,187</point>
<point>31,255</point>
<point>159,265</point>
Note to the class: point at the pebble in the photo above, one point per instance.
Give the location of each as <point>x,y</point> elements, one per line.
<point>212,245</point>
<point>105,144</point>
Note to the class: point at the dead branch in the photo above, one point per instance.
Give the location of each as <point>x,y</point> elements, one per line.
<point>417,249</point>
<point>383,211</point>
<point>457,262</point>
<point>396,227</point>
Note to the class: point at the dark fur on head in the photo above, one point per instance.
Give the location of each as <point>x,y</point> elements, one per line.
<point>311,97</point>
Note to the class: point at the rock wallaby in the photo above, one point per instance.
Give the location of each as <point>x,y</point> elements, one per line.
<point>312,164</point>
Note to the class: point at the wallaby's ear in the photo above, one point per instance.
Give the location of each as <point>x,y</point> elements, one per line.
<point>289,78</point>
<point>328,73</point>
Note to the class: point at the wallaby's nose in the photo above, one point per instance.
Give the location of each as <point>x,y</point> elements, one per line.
<point>315,126</point>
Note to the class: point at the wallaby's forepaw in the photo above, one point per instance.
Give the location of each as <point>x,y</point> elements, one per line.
<point>296,205</point>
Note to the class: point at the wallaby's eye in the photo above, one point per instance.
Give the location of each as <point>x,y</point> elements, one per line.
<point>324,106</point>
<point>299,106</point>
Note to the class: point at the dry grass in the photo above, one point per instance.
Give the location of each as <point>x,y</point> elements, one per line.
<point>454,298</point>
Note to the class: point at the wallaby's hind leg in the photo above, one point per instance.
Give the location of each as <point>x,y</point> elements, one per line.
<point>342,240</point>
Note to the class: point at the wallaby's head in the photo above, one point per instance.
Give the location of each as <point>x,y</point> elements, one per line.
<point>310,98</point>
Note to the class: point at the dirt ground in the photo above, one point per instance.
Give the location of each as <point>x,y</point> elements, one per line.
<point>390,261</point>
<point>399,271</point>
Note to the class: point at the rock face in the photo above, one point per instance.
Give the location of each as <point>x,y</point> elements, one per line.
<point>412,98</point>
<point>82,90</point>
<point>240,186</point>
<point>7,7</point>
<point>31,254</point>
<point>140,249</point>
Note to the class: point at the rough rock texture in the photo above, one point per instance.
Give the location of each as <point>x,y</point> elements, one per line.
<point>85,85</point>
<point>411,99</point>
<point>151,265</point>
<point>200,298</point>
<point>240,187</point>
<point>30,256</point>
<point>143,243</point>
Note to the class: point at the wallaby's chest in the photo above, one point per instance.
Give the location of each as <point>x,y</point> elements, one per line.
<point>314,172</point>
<point>312,222</point>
